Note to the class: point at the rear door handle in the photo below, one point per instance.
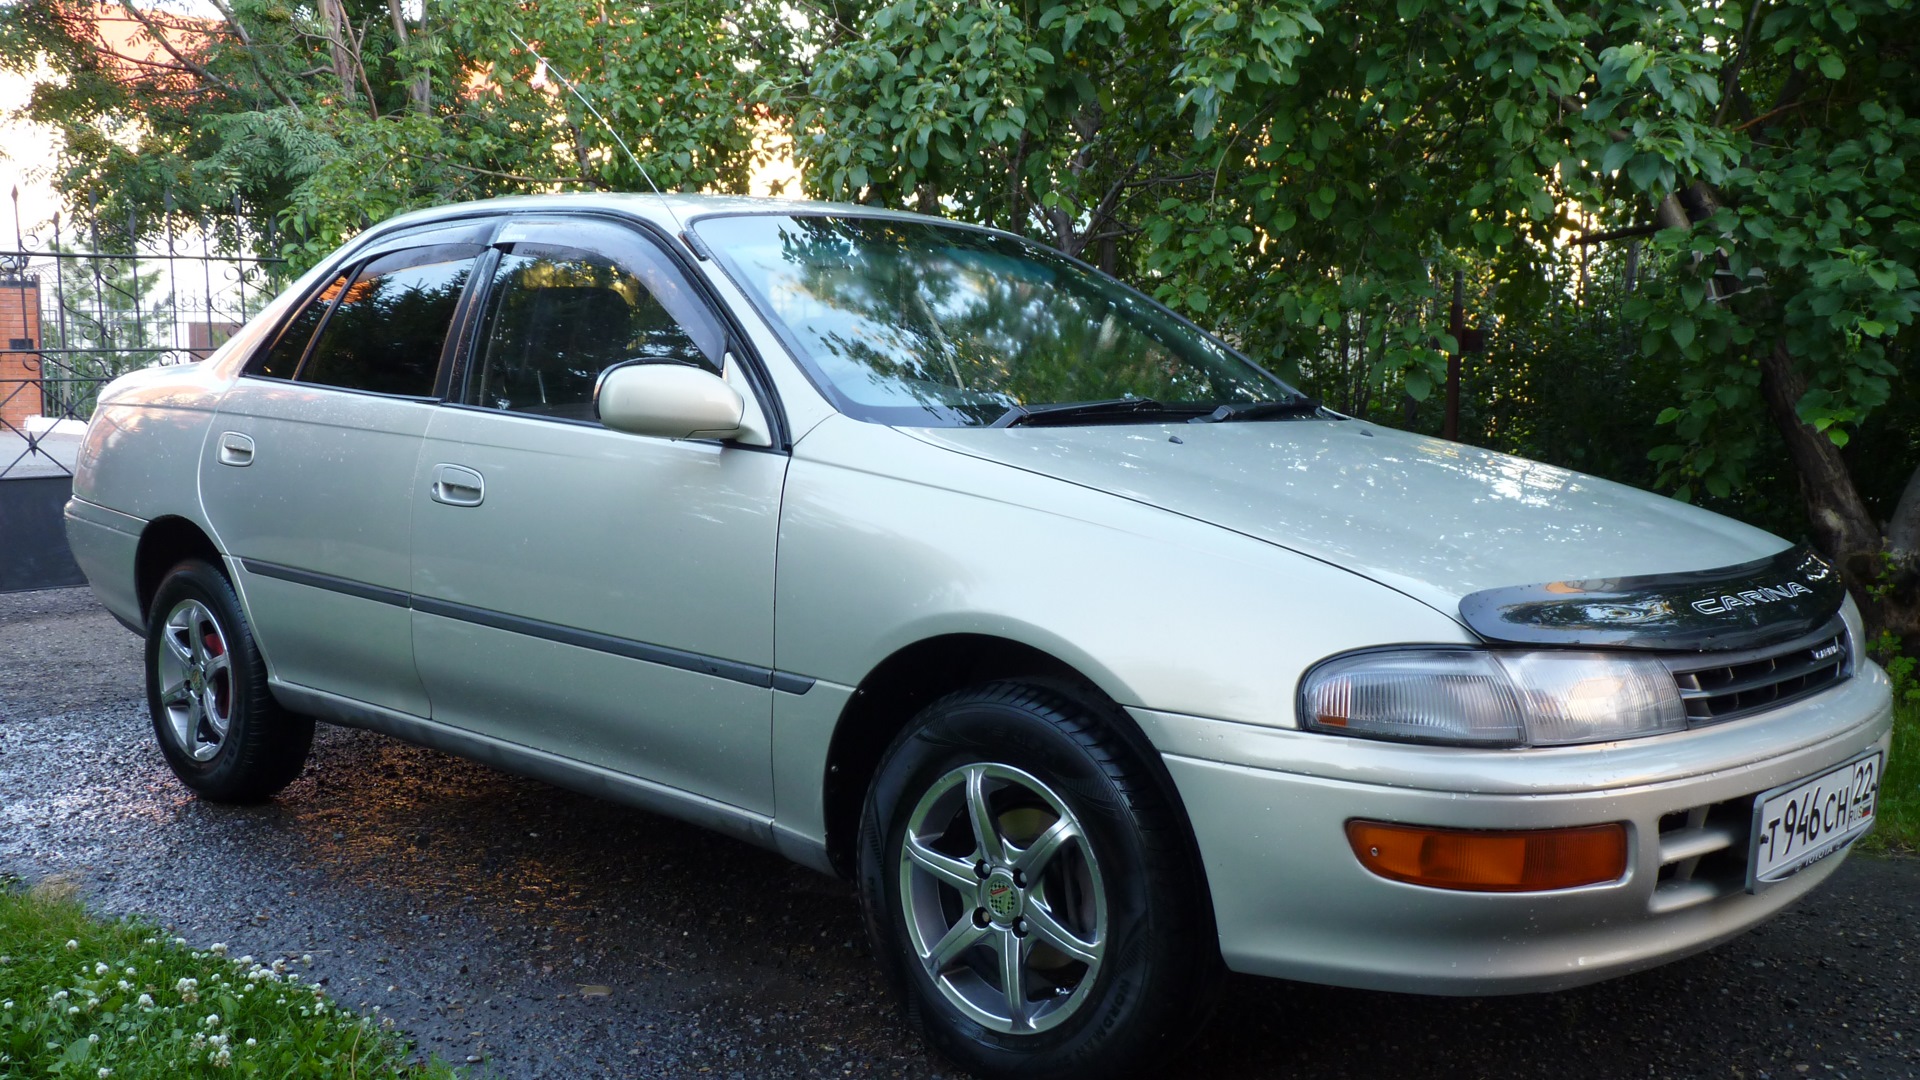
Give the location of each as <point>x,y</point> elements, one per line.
<point>457,485</point>
<point>236,449</point>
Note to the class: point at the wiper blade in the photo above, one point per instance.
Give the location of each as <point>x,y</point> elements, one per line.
<point>1262,410</point>
<point>1041,415</point>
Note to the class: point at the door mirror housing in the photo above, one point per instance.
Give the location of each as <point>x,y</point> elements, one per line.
<point>668,401</point>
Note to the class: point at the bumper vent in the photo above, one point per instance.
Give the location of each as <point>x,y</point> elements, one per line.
<point>1722,686</point>
<point>1703,855</point>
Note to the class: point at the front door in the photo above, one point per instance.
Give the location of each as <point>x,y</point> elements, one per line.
<point>603,596</point>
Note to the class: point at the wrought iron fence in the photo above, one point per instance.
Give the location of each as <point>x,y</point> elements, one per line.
<point>83,303</point>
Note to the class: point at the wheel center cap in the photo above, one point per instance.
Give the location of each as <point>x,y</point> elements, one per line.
<point>1002,895</point>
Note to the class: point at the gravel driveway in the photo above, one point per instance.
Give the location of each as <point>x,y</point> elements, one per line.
<point>540,933</point>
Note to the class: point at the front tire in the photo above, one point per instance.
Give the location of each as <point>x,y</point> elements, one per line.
<point>219,728</point>
<point>1032,890</point>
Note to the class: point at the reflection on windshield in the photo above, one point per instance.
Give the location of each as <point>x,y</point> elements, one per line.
<point>919,324</point>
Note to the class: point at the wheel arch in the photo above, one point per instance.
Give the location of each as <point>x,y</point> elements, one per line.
<point>916,675</point>
<point>163,543</point>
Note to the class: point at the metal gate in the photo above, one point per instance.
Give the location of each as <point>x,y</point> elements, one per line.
<point>81,306</point>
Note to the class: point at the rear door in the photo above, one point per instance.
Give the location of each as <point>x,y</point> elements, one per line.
<point>603,596</point>
<point>308,473</point>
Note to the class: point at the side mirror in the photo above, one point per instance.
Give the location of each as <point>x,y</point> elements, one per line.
<point>668,401</point>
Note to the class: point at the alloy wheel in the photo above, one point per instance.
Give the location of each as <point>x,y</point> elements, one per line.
<point>196,679</point>
<point>1003,898</point>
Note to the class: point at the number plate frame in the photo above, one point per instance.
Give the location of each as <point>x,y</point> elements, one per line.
<point>1827,843</point>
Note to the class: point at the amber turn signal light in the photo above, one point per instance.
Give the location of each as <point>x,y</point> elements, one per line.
<point>1531,860</point>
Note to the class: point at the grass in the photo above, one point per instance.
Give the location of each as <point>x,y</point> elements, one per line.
<point>1898,824</point>
<point>85,997</point>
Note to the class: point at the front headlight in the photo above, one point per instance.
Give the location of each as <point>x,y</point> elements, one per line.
<point>1472,697</point>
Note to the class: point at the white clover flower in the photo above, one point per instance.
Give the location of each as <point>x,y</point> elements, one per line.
<point>245,960</point>
<point>5,960</point>
<point>101,968</point>
<point>197,1043</point>
<point>104,1073</point>
<point>305,958</point>
<point>73,1010</point>
<point>145,1001</point>
<point>253,1042</point>
<point>93,1039</point>
<point>217,1041</point>
<point>60,995</point>
<point>72,945</point>
<point>179,941</point>
<point>221,1059</point>
<point>218,948</point>
<point>130,970</point>
<point>212,1020</point>
<point>125,985</point>
<point>7,1004</point>
<point>280,966</point>
<point>151,941</point>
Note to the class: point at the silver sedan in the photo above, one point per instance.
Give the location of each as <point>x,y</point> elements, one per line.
<point>1101,659</point>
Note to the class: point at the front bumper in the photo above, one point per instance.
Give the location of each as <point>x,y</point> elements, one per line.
<point>1269,808</point>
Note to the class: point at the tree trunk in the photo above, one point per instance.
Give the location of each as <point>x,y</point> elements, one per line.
<point>1836,515</point>
<point>420,90</point>
<point>338,36</point>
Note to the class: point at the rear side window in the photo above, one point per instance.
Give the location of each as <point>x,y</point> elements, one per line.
<point>387,333</point>
<point>559,316</point>
<point>283,359</point>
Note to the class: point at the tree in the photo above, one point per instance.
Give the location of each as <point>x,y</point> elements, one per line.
<point>1304,175</point>
<point>321,119</point>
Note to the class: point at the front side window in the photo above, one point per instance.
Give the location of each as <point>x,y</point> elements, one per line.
<point>558,316</point>
<point>387,332</point>
<point>915,323</point>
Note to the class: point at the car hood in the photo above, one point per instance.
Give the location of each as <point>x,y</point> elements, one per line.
<point>1434,519</point>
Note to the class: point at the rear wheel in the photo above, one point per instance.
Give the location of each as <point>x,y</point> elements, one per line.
<point>218,726</point>
<point>1032,890</point>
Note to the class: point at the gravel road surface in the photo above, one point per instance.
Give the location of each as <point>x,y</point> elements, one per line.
<point>538,933</point>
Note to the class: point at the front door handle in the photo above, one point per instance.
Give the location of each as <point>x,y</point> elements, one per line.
<point>457,485</point>
<point>235,449</point>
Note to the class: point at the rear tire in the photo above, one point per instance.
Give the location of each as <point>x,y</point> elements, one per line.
<point>219,728</point>
<point>1032,890</point>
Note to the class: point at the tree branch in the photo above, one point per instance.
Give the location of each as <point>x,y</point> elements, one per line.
<point>253,58</point>
<point>590,181</point>
<point>160,39</point>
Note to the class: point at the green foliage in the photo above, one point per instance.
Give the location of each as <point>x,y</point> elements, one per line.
<point>80,997</point>
<point>1898,827</point>
<point>316,141</point>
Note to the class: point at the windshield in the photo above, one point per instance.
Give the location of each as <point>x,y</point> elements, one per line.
<point>918,324</point>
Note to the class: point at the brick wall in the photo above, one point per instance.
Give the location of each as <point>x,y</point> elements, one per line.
<point>19,337</point>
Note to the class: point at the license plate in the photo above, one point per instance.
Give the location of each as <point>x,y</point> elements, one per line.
<point>1803,822</point>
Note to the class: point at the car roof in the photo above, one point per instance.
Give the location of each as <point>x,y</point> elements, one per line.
<point>671,212</point>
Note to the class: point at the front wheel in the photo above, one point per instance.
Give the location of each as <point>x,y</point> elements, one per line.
<point>218,726</point>
<point>1032,890</point>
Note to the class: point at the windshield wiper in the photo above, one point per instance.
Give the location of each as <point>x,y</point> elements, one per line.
<point>1112,408</point>
<point>1302,405</point>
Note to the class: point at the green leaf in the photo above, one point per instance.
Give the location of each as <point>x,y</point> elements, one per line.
<point>1682,331</point>
<point>1838,436</point>
<point>1833,67</point>
<point>1418,385</point>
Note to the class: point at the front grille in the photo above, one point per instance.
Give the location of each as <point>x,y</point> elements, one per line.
<point>1722,686</point>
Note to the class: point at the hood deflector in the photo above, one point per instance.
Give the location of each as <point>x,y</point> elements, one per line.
<point>1735,607</point>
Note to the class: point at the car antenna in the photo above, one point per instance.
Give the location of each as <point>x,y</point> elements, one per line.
<point>698,248</point>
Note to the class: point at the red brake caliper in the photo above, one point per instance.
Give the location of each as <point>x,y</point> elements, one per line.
<point>222,687</point>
